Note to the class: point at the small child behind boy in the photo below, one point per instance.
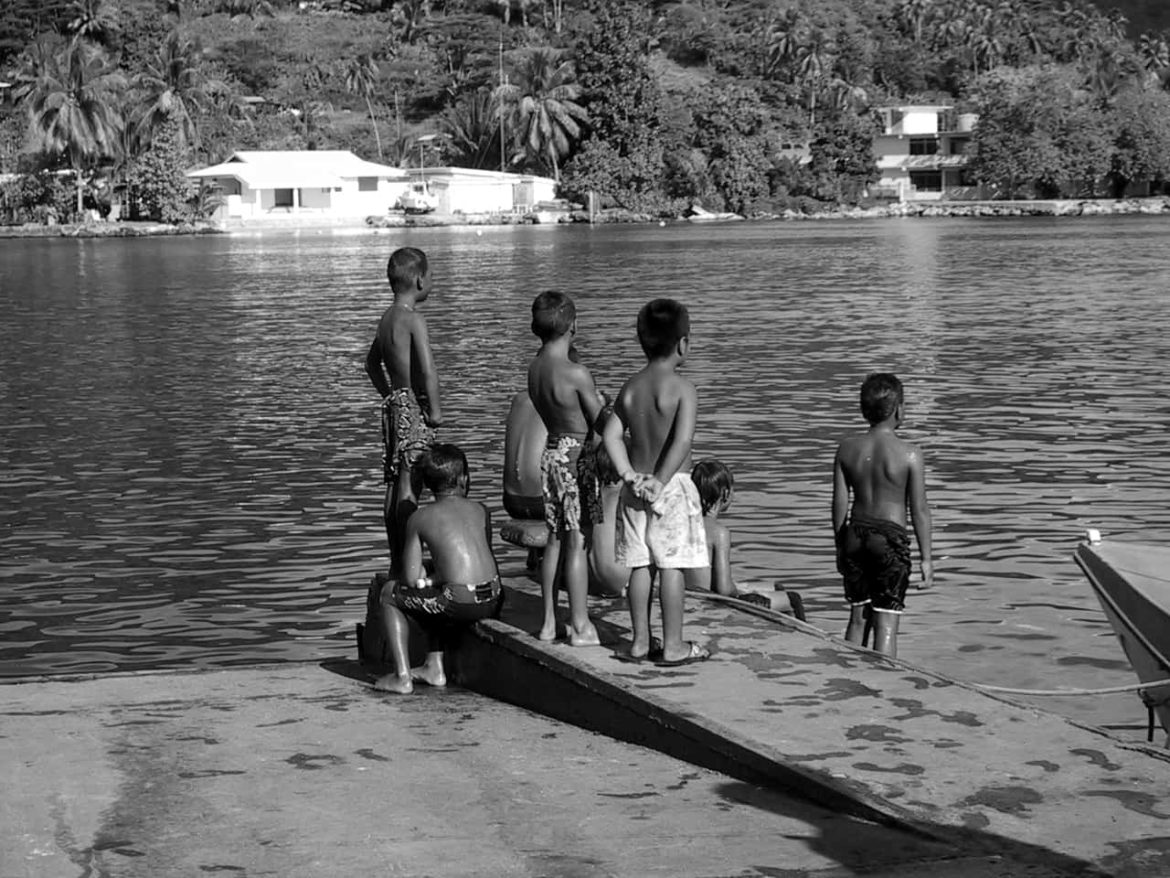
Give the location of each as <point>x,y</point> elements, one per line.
<point>466,580</point>
<point>716,487</point>
<point>885,475</point>
<point>660,519</point>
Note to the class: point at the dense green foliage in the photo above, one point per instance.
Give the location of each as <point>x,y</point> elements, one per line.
<point>651,105</point>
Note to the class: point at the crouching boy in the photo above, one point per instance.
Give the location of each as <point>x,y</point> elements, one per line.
<point>465,584</point>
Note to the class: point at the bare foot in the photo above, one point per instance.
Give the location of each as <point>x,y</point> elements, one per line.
<point>587,636</point>
<point>547,633</point>
<point>394,683</point>
<point>431,676</point>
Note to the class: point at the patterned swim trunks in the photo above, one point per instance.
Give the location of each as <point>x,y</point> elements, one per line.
<point>668,533</point>
<point>405,434</point>
<point>451,602</point>
<point>565,507</point>
<point>873,556</point>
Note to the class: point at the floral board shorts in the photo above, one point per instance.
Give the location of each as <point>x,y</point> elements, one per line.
<point>566,507</point>
<point>405,434</point>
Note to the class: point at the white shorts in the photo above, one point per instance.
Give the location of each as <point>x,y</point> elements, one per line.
<point>669,535</point>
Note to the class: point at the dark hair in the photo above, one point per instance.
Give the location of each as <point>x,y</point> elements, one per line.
<point>442,465</point>
<point>553,314</point>
<point>662,324</point>
<point>714,481</point>
<point>881,394</point>
<point>405,266</point>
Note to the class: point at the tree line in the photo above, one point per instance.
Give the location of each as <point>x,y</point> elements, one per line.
<point>651,105</point>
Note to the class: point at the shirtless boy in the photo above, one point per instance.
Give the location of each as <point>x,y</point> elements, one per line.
<point>465,585</point>
<point>402,370</point>
<point>660,521</point>
<point>885,475</point>
<point>716,486</point>
<point>567,401</point>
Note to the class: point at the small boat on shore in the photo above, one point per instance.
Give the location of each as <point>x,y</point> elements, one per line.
<point>699,215</point>
<point>1132,582</point>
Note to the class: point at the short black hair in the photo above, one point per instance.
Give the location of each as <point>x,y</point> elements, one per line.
<point>881,394</point>
<point>442,465</point>
<point>405,266</point>
<point>662,324</point>
<point>714,482</point>
<point>553,314</point>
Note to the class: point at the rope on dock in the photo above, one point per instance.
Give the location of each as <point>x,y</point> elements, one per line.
<point>1108,690</point>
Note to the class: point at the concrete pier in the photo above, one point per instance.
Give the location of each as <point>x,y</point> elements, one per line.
<point>788,753</point>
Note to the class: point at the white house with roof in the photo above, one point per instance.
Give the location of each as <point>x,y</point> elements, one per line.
<point>336,184</point>
<point>921,153</point>
<point>472,191</point>
<point>301,184</point>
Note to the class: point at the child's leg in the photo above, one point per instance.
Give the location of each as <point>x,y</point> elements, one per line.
<point>549,565</point>
<point>397,633</point>
<point>638,597</point>
<point>575,570</point>
<point>671,591</point>
<point>401,502</point>
<point>885,636</point>
<point>431,671</point>
<point>859,621</point>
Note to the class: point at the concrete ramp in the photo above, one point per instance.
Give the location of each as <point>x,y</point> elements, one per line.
<point>783,704</point>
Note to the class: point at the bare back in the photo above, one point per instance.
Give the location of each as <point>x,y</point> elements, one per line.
<point>457,531</point>
<point>658,407</point>
<point>563,392</point>
<point>883,473</point>
<point>524,440</point>
<point>396,342</point>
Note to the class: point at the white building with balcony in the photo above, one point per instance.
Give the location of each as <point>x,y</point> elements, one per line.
<point>921,153</point>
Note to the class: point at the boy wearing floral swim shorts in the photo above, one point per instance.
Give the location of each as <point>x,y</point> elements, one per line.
<point>402,369</point>
<point>660,519</point>
<point>567,400</point>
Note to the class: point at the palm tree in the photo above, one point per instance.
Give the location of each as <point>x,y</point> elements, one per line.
<point>1154,51</point>
<point>781,39</point>
<point>174,85</point>
<point>472,126</point>
<point>71,106</point>
<point>813,60</point>
<point>543,100</point>
<point>92,20</point>
<point>360,79</point>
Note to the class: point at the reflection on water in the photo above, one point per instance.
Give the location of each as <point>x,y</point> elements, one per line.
<point>191,468</point>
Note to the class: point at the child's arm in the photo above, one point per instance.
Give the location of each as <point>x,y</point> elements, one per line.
<point>430,376</point>
<point>920,515</point>
<point>374,368</point>
<point>721,581</point>
<point>412,562</point>
<point>840,494</point>
<point>615,446</point>
<point>683,434</point>
<point>590,400</point>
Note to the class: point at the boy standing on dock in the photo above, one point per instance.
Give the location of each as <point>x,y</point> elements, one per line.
<point>568,403</point>
<point>466,580</point>
<point>660,518</point>
<point>402,369</point>
<point>885,475</point>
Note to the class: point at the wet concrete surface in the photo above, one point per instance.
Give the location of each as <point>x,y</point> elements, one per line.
<point>302,770</point>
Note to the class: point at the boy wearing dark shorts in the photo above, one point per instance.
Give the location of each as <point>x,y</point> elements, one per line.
<point>465,585</point>
<point>884,475</point>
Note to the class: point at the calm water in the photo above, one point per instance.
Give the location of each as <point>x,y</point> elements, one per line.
<point>191,471</point>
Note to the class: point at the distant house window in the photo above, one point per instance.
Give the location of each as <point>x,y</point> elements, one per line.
<point>367,184</point>
<point>926,181</point>
<point>958,145</point>
<point>282,198</point>
<point>923,146</point>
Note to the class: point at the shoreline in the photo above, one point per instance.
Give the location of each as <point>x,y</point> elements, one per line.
<point>1151,205</point>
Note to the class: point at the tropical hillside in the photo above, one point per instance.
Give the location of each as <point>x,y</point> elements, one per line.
<point>653,105</point>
